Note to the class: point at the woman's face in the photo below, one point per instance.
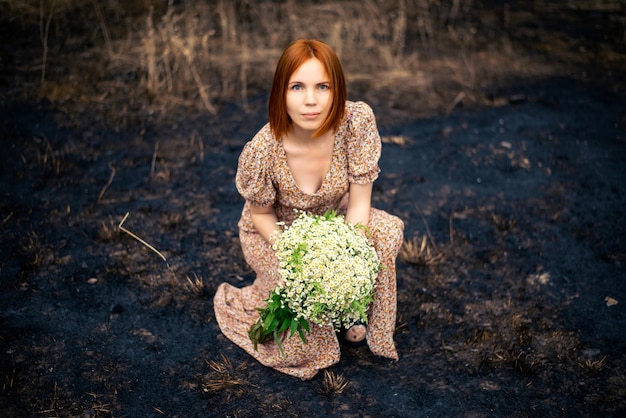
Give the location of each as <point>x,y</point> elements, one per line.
<point>309,97</point>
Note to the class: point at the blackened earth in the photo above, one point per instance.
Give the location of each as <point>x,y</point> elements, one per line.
<point>518,308</point>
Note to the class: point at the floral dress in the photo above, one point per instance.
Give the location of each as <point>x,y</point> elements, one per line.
<point>263,178</point>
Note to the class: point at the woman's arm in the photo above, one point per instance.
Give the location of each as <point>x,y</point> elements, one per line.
<point>359,203</point>
<point>264,220</point>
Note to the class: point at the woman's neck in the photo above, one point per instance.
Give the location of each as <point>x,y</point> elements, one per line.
<point>304,137</point>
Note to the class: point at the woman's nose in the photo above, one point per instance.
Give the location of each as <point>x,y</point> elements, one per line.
<point>310,96</point>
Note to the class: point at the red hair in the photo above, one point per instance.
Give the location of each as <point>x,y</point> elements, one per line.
<point>296,54</point>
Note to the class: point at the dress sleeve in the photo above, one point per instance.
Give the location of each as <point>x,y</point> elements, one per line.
<point>254,171</point>
<point>364,145</point>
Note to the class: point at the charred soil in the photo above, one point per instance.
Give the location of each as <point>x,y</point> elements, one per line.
<point>511,296</point>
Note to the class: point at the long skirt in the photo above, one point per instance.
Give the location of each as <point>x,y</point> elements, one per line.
<point>235,308</point>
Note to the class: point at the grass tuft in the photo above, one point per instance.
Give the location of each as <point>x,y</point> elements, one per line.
<point>195,285</point>
<point>414,251</point>
<point>592,366</point>
<point>333,383</point>
<point>223,376</point>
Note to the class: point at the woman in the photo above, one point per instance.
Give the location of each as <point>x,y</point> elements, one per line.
<point>318,152</point>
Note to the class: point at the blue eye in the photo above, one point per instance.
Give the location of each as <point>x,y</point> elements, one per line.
<point>296,87</point>
<point>324,87</point>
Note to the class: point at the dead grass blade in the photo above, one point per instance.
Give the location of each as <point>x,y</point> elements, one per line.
<point>430,237</point>
<point>139,239</point>
<point>395,139</point>
<point>44,30</point>
<point>106,186</point>
<point>104,28</point>
<point>194,139</point>
<point>48,158</point>
<point>155,154</point>
<point>421,253</point>
<point>97,406</point>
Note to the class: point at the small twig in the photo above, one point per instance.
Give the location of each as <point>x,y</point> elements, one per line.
<point>201,88</point>
<point>6,219</point>
<point>139,239</point>
<point>154,157</point>
<point>450,229</point>
<point>459,97</point>
<point>106,186</point>
<point>103,27</point>
<point>200,143</point>
<point>43,34</point>
<point>201,146</point>
<point>243,73</point>
<point>430,238</point>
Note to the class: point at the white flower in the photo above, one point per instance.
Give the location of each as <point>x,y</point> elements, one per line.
<point>328,269</point>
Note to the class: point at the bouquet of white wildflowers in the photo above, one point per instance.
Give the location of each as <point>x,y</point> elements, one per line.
<point>328,270</point>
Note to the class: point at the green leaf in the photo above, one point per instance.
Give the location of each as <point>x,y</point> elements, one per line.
<point>268,320</point>
<point>280,346</point>
<point>284,325</point>
<point>256,333</point>
<point>272,327</point>
<point>302,336</point>
<point>293,326</point>
<point>304,324</point>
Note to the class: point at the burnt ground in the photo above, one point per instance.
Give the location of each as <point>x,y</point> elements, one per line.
<point>518,308</point>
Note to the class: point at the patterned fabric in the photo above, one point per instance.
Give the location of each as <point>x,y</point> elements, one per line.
<point>263,178</point>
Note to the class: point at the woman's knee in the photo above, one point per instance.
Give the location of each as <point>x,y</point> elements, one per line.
<point>386,227</point>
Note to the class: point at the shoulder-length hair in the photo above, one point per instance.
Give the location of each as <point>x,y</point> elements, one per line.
<point>293,57</point>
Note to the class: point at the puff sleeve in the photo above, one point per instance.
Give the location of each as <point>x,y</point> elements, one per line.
<point>363,145</point>
<point>254,170</point>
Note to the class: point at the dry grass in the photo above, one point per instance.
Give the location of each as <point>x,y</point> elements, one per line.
<point>33,246</point>
<point>47,158</point>
<point>195,285</point>
<point>516,358</point>
<point>503,222</point>
<point>159,55</point>
<point>9,375</point>
<point>396,140</point>
<point>333,383</point>
<point>414,251</point>
<point>108,231</point>
<point>154,56</point>
<point>99,408</point>
<point>592,366</point>
<point>224,376</point>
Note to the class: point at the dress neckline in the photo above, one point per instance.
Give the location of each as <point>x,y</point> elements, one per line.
<point>292,180</point>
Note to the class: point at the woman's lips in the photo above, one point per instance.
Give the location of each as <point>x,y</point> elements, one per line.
<point>310,115</point>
